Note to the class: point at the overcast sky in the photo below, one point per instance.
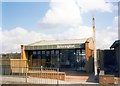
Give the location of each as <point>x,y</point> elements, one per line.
<point>26,22</point>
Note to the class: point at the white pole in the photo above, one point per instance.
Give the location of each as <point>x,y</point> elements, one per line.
<point>94,37</point>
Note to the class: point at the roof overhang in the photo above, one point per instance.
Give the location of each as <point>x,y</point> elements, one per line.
<point>56,44</point>
<point>59,46</point>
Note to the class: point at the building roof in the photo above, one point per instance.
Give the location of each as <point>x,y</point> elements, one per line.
<point>117,42</point>
<point>57,42</point>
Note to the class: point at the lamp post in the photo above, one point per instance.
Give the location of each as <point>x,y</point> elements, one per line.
<point>94,38</point>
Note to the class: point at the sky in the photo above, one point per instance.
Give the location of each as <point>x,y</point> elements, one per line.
<point>31,21</point>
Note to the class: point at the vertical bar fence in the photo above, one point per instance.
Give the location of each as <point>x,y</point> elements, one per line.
<point>17,70</point>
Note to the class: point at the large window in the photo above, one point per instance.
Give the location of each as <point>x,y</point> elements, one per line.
<point>56,52</point>
<point>35,56</point>
<point>47,53</point>
<point>43,52</point>
<point>52,52</point>
<point>43,55</point>
<point>39,52</point>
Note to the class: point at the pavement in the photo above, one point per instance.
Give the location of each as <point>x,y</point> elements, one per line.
<point>80,77</point>
<point>71,78</point>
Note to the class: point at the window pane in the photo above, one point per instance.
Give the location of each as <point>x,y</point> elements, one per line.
<point>52,51</point>
<point>34,52</point>
<point>39,52</point>
<point>43,52</point>
<point>83,51</point>
<point>57,52</point>
<point>47,52</point>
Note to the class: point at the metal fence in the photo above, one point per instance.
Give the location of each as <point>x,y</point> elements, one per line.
<point>17,70</point>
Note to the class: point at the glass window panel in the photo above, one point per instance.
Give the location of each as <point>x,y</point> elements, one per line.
<point>52,51</point>
<point>34,52</point>
<point>77,51</point>
<point>57,52</point>
<point>83,51</point>
<point>47,52</point>
<point>43,52</point>
<point>39,52</point>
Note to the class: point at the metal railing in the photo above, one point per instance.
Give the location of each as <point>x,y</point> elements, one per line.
<point>19,71</point>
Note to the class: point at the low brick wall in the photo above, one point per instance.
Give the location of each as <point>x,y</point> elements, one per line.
<point>50,75</point>
<point>106,79</point>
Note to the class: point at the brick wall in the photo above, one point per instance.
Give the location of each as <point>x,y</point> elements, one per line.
<point>106,79</point>
<point>49,75</point>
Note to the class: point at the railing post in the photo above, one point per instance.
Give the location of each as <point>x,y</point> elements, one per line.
<point>57,76</point>
<point>26,72</point>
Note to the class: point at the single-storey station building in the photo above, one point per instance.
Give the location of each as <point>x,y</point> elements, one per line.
<point>70,54</point>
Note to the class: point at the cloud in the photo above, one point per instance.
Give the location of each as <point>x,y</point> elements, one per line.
<point>107,36</point>
<point>62,13</point>
<point>81,32</point>
<point>67,13</point>
<point>95,5</point>
<point>115,21</point>
<point>12,39</point>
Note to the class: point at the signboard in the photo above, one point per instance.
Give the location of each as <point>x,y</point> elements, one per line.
<point>65,46</point>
